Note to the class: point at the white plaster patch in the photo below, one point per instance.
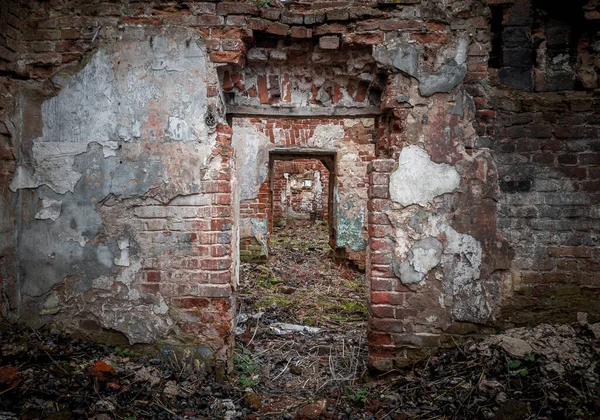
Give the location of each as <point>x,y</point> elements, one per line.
<point>50,209</point>
<point>422,258</point>
<point>123,260</point>
<point>251,158</point>
<point>418,180</point>
<point>51,305</point>
<point>462,262</point>
<point>161,307</point>
<point>326,136</point>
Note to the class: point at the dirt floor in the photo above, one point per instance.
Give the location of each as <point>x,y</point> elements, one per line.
<point>316,371</point>
<point>300,287</point>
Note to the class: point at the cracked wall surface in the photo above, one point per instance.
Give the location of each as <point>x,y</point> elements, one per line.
<point>119,186</point>
<point>465,133</point>
<point>348,139</point>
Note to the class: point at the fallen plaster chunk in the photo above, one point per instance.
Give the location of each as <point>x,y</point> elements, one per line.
<point>418,180</point>
<point>50,209</point>
<point>280,328</point>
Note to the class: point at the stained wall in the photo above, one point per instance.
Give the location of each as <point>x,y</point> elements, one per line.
<point>470,128</point>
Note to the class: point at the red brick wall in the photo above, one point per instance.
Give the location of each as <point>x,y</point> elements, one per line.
<point>541,178</point>
<point>355,152</point>
<point>303,201</point>
<point>11,20</point>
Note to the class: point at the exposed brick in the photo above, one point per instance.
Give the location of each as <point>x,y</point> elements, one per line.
<point>364,38</point>
<point>329,43</point>
<point>210,20</point>
<point>236,20</point>
<point>570,251</point>
<point>231,57</point>
<point>277,28</point>
<point>300,32</point>
<point>263,92</point>
<point>338,14</point>
<point>334,28</point>
<point>292,18</point>
<point>226,8</point>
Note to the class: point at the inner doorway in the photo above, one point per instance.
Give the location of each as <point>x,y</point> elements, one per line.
<point>302,314</point>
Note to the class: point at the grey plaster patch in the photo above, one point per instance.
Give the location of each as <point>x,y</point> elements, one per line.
<point>24,178</point>
<point>113,98</point>
<point>422,258</point>
<point>418,180</point>
<point>50,209</point>
<point>257,228</point>
<point>447,78</point>
<point>398,54</point>
<point>449,75</point>
<point>472,300</point>
<point>406,59</point>
<point>191,200</point>
<point>137,322</point>
<point>251,158</point>
<point>50,252</point>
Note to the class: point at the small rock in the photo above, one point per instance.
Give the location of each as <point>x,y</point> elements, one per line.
<point>513,410</point>
<point>296,370</point>
<point>490,387</point>
<point>253,400</point>
<point>515,346</point>
<point>171,390</point>
<point>312,411</point>
<point>582,318</point>
<point>555,367</point>
<point>14,349</point>
<point>595,328</point>
<point>501,398</point>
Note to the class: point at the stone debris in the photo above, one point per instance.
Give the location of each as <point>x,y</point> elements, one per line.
<point>283,329</point>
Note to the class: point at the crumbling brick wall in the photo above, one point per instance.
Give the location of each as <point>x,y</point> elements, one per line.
<point>11,15</point>
<point>349,139</point>
<point>542,125</point>
<point>481,202</point>
<point>300,190</point>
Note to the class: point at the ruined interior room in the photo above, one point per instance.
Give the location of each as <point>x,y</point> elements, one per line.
<point>300,198</point>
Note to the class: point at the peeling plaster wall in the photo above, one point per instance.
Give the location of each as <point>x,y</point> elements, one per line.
<point>149,198</point>
<point>348,138</point>
<point>121,229</point>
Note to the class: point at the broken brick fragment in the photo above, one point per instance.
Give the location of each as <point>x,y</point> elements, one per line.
<point>101,370</point>
<point>9,377</point>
